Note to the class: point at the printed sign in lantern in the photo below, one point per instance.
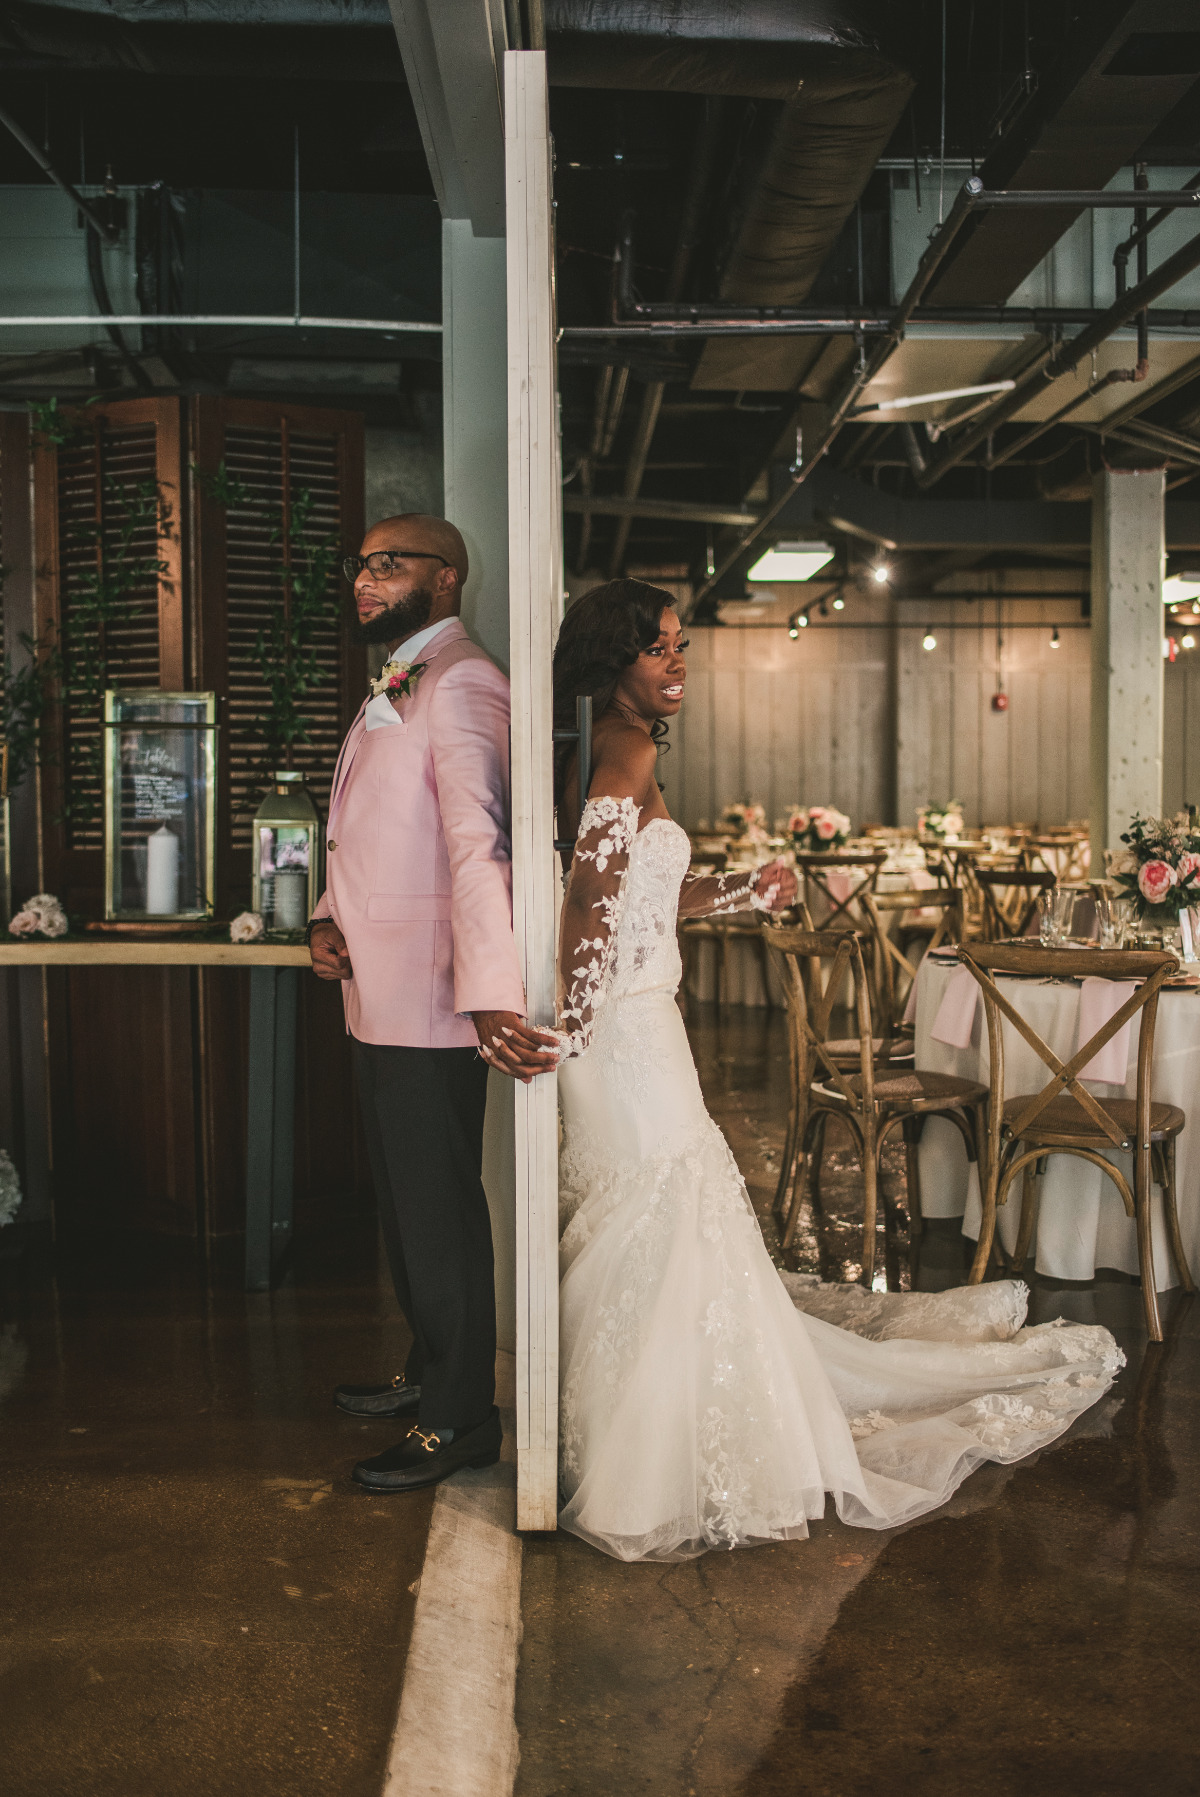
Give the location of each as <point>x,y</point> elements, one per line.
<point>160,772</point>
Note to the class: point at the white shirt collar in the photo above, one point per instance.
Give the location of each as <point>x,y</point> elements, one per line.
<point>412,645</point>
<point>380,712</point>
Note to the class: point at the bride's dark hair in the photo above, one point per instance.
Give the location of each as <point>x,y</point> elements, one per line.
<point>602,634</point>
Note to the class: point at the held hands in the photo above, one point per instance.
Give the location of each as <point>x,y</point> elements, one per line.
<point>327,947</point>
<point>513,1046</point>
<point>777,886</point>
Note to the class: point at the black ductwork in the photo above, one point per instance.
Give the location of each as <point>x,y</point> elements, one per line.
<point>1130,67</point>
<point>836,74</point>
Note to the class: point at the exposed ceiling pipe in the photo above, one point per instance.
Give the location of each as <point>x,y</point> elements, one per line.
<point>699,181</point>
<point>97,231</point>
<point>1088,119</point>
<point>1062,361</point>
<point>108,232</point>
<point>868,367</point>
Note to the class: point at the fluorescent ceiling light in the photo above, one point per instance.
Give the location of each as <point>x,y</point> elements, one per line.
<point>1178,588</point>
<point>791,561</point>
<point>928,399</point>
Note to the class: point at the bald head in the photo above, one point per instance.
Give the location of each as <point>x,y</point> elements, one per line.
<point>418,530</point>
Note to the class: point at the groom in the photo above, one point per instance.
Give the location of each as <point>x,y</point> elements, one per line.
<point>416,923</point>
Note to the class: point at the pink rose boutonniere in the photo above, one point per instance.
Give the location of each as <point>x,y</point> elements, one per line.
<point>397,679</point>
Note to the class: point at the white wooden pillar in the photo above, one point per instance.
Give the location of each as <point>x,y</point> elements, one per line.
<point>475,422</point>
<point>1128,559</point>
<point>535,605</point>
<point>475,479</point>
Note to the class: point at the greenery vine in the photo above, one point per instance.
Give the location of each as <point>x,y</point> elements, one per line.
<point>102,594</point>
<point>286,646</point>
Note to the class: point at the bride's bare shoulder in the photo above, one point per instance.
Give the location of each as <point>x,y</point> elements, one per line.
<point>624,759</point>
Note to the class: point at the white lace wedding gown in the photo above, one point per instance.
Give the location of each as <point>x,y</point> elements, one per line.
<point>701,1407</point>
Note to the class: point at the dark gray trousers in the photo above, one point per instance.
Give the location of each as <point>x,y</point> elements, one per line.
<point>423,1115</point>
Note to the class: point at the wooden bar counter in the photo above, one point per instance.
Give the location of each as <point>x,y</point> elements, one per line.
<point>274,969</point>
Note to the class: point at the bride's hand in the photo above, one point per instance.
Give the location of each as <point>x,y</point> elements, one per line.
<point>513,1046</point>
<point>777,886</point>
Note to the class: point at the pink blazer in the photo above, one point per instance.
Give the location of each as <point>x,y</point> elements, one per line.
<point>419,862</point>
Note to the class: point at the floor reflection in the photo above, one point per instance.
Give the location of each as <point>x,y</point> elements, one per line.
<point>195,1596</point>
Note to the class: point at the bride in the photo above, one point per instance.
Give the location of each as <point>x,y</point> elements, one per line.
<point>707,1400</point>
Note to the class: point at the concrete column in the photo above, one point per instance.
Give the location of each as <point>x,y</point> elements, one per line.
<point>475,421</point>
<point>1128,555</point>
<point>475,473</point>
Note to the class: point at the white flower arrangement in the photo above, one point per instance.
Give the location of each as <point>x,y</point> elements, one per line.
<point>943,821</point>
<point>10,1190</point>
<point>41,915</point>
<point>247,926</point>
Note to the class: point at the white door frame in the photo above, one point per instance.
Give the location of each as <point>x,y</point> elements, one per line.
<point>535,606</point>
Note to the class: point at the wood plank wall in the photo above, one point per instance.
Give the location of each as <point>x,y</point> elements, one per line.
<point>868,720</point>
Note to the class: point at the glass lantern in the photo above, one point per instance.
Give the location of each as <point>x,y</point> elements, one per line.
<point>160,774</point>
<point>287,855</point>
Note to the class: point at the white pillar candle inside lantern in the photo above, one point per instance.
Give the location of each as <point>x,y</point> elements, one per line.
<point>287,840</point>
<point>291,895</point>
<point>162,872</point>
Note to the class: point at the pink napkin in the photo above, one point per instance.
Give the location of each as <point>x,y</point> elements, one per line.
<point>841,881</point>
<point>956,1013</point>
<point>910,1009</point>
<point>1098,1001</point>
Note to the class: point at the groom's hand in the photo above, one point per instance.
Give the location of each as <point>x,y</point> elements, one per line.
<point>517,1048</point>
<point>327,947</point>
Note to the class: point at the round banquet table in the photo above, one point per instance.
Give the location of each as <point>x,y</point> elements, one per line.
<point>1081,1223</point>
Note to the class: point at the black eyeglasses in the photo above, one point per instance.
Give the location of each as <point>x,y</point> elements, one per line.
<point>382,562</point>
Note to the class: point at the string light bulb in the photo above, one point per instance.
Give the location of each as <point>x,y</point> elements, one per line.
<point>1188,641</point>
<point>929,641</point>
<point>794,628</point>
<point>881,572</point>
<point>1055,640</point>
<point>839,603</point>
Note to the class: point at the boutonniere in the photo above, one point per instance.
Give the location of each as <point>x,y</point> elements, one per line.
<point>397,679</point>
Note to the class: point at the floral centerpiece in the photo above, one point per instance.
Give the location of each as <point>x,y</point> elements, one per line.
<point>1159,867</point>
<point>41,915</point>
<point>746,822</point>
<point>943,821</point>
<point>818,828</point>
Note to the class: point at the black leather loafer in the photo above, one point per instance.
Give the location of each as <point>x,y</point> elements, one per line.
<point>393,1399</point>
<point>422,1459</point>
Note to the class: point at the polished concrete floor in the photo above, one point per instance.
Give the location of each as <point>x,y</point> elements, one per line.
<point>1036,1638</point>
<point>194,1598</point>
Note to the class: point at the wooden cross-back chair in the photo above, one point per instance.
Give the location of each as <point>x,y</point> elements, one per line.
<point>866,1089</point>
<point>891,961</point>
<point>1014,918</point>
<point>1064,1117</point>
<point>815,869</point>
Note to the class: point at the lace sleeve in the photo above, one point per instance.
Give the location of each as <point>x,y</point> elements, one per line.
<point>714,895</point>
<point>591,913</point>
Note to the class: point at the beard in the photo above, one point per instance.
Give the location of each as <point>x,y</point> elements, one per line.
<point>400,620</point>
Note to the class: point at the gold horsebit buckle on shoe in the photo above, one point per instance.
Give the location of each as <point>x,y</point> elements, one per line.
<point>431,1443</point>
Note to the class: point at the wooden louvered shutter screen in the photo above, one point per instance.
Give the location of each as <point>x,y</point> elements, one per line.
<point>276,485</point>
<point>110,599</point>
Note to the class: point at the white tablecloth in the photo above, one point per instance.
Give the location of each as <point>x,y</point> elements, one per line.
<point>1081,1223</point>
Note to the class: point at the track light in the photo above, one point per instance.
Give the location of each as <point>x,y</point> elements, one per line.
<point>929,641</point>
<point>823,609</point>
<point>1055,641</point>
<point>839,603</point>
<point>794,628</point>
<point>1188,641</point>
<point>881,572</point>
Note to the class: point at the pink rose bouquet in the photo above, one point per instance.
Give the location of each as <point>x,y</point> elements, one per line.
<point>819,828</point>
<point>41,915</point>
<point>1159,866</point>
<point>747,822</point>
